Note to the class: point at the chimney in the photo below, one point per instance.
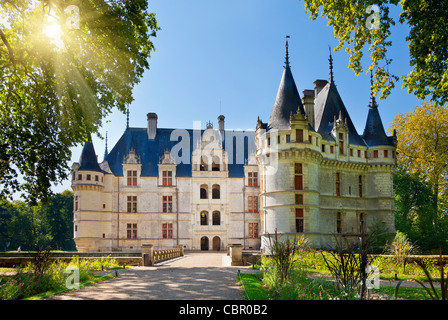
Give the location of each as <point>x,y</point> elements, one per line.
<point>318,86</point>
<point>221,123</point>
<point>152,126</point>
<point>308,104</point>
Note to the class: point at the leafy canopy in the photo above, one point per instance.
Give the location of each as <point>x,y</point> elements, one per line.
<point>365,26</point>
<point>61,72</point>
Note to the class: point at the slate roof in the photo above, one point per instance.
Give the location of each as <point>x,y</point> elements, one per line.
<point>88,160</point>
<point>328,105</point>
<point>287,101</point>
<point>374,133</point>
<point>150,151</point>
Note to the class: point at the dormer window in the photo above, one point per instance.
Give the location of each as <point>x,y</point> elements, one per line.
<point>252,179</point>
<point>299,135</point>
<point>167,178</point>
<point>132,177</point>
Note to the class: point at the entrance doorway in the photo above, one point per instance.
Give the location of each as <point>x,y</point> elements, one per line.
<point>216,243</point>
<point>204,243</point>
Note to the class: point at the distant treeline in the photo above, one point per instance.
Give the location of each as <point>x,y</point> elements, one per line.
<point>28,227</point>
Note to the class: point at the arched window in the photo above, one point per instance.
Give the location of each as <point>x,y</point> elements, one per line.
<point>215,164</point>
<point>204,218</point>
<point>216,218</point>
<point>203,191</point>
<point>203,166</point>
<point>216,194</point>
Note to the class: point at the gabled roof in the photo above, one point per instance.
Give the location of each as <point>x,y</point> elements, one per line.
<point>88,160</point>
<point>329,105</point>
<point>374,133</point>
<point>287,101</point>
<point>150,151</point>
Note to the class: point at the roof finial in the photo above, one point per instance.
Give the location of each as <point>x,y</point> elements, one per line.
<point>287,53</point>
<point>372,97</point>
<point>127,118</point>
<point>331,66</point>
<point>105,150</point>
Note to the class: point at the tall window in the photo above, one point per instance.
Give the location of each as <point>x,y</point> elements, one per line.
<point>132,203</point>
<point>288,138</point>
<point>362,223</point>
<point>167,203</point>
<point>299,135</point>
<point>253,230</point>
<point>204,218</point>
<point>167,231</point>
<point>341,143</point>
<point>375,154</point>
<point>252,179</point>
<point>216,218</point>
<point>359,153</point>
<point>331,149</point>
<point>299,219</point>
<point>298,176</point>
<point>132,178</point>
<point>132,231</point>
<point>167,178</point>
<point>386,154</point>
<point>216,193</point>
<point>338,184</point>
<point>253,203</point>
<point>360,186</point>
<point>299,198</point>
<point>338,223</point>
<point>203,191</point>
<point>76,203</point>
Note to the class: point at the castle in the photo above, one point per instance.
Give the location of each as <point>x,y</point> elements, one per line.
<point>306,171</point>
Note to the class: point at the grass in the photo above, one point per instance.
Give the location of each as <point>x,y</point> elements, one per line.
<point>308,281</point>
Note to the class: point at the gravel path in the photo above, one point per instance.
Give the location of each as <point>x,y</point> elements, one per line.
<point>195,276</point>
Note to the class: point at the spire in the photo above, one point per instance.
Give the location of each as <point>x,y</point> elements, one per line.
<point>105,150</point>
<point>372,97</point>
<point>88,160</point>
<point>127,118</point>
<point>331,66</point>
<point>287,53</point>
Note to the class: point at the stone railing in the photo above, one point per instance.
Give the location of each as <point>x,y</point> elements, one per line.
<point>150,256</point>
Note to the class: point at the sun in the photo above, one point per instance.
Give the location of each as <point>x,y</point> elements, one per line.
<point>53,31</point>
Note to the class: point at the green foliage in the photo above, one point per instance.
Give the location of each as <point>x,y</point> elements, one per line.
<point>401,248</point>
<point>26,283</point>
<point>28,226</point>
<point>54,92</point>
<point>428,45</point>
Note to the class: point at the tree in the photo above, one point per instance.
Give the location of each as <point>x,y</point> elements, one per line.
<point>64,66</point>
<point>365,26</point>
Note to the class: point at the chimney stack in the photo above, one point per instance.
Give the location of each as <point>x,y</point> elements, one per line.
<point>221,123</point>
<point>308,104</point>
<point>152,126</point>
<point>318,86</point>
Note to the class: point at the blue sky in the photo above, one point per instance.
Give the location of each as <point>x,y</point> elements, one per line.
<point>226,57</point>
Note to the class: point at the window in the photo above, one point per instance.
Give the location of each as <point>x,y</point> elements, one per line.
<point>338,223</point>
<point>132,231</point>
<point>88,177</point>
<point>216,194</point>
<point>386,154</point>
<point>203,192</point>
<point>299,219</point>
<point>79,176</point>
<point>393,154</point>
<point>252,179</point>
<point>269,142</point>
<point>96,178</point>
<point>288,138</point>
<point>298,176</point>
<point>361,223</point>
<point>341,143</point>
<point>73,175</point>
<point>299,135</point>
<point>338,184</point>
<point>299,198</point>
<point>360,186</point>
<point>76,203</point>
<point>132,204</point>
<point>365,154</point>
<point>331,149</point>
<point>351,152</point>
<point>359,153</point>
<point>216,218</point>
<point>253,203</point>
<point>310,139</point>
<point>375,154</point>
<point>323,148</point>
<point>167,231</point>
<point>253,230</point>
<point>278,139</point>
<point>132,178</point>
<point>204,218</point>
<point>167,178</point>
<point>167,204</point>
